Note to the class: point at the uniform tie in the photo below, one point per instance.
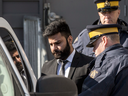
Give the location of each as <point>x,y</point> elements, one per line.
<point>62,69</point>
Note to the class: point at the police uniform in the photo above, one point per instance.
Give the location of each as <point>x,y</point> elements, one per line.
<point>83,38</point>
<point>109,75</point>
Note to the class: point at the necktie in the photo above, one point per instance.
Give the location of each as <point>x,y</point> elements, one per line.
<point>62,69</point>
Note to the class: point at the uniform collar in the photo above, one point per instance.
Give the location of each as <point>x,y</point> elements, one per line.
<point>101,56</point>
<point>119,21</point>
<point>115,46</point>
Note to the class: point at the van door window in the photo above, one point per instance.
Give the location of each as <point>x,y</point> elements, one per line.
<point>17,58</point>
<point>8,85</point>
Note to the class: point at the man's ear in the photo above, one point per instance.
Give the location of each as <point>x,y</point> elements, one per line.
<point>70,39</point>
<point>104,40</point>
<point>118,12</point>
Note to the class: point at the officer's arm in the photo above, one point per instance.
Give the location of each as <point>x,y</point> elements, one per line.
<point>121,84</point>
<point>80,42</point>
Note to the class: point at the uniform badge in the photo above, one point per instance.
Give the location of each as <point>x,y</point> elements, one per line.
<point>107,4</point>
<point>76,40</point>
<point>93,74</point>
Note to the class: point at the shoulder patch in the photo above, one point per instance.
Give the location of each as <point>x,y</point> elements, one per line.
<point>93,73</point>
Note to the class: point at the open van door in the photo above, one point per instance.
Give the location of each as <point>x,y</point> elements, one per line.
<point>7,34</point>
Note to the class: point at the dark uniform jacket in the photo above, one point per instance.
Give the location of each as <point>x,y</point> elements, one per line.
<point>109,75</point>
<point>83,39</point>
<point>78,71</point>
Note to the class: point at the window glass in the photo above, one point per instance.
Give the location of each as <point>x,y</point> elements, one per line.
<point>6,83</point>
<point>9,84</point>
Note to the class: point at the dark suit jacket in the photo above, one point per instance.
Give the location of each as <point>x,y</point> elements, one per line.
<point>78,70</point>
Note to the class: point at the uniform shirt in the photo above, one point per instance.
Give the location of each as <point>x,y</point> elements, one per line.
<point>83,38</point>
<point>109,75</point>
<point>68,64</point>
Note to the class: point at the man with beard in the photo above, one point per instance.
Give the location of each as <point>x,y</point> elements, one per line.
<point>60,41</point>
<point>16,58</point>
<point>108,11</point>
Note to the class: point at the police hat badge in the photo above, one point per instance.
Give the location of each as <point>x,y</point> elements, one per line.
<point>107,5</point>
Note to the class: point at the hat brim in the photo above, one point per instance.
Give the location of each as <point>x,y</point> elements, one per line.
<point>90,44</point>
<point>108,9</point>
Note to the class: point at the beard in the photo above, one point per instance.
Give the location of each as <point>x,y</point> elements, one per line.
<point>58,54</point>
<point>19,66</point>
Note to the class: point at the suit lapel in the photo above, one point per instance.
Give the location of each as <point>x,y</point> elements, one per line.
<point>53,69</point>
<point>74,65</point>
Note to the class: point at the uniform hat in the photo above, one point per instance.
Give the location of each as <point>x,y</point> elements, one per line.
<point>107,5</point>
<point>96,31</point>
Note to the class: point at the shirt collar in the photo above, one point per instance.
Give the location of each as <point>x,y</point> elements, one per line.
<point>70,57</point>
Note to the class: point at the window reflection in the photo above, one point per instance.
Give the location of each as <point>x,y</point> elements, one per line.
<point>6,82</point>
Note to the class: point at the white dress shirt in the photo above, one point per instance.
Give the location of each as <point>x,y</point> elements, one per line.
<point>68,64</point>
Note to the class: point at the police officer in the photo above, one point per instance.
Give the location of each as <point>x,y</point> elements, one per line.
<point>109,75</point>
<point>109,12</point>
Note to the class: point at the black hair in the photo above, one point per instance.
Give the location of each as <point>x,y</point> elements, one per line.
<point>58,26</point>
<point>10,46</point>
